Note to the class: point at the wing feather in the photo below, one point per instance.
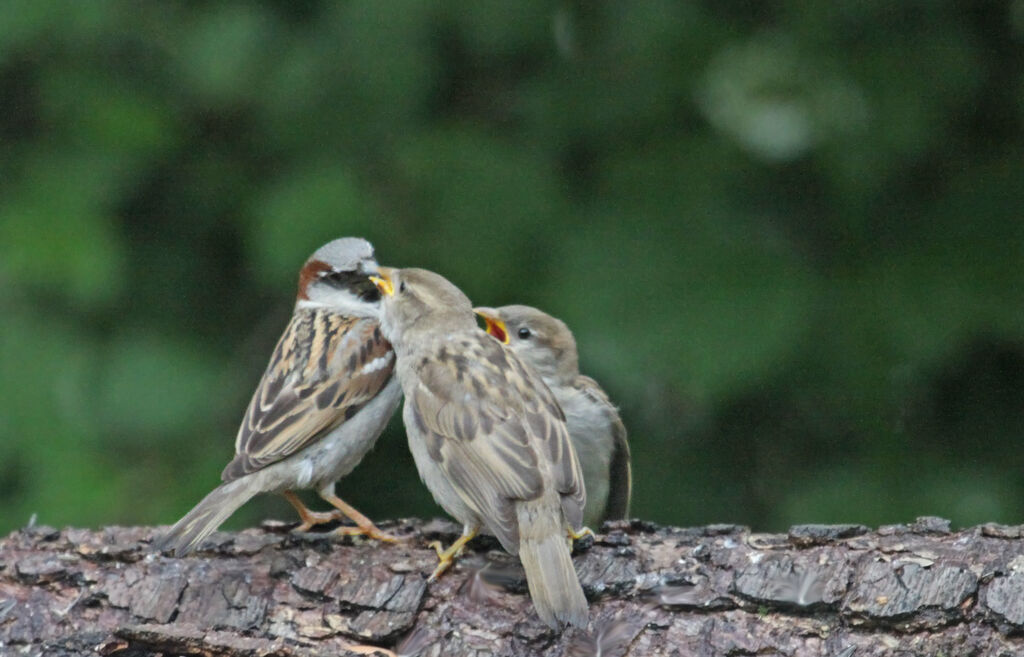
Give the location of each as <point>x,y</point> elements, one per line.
<point>324,369</point>
<point>497,432</point>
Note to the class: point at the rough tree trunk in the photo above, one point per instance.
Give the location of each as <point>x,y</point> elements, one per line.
<point>840,591</point>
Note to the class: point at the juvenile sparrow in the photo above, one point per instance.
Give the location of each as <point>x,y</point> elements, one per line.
<point>488,437</point>
<point>320,406</point>
<point>595,427</point>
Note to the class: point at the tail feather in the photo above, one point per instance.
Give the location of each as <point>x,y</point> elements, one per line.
<point>545,551</point>
<point>186,534</point>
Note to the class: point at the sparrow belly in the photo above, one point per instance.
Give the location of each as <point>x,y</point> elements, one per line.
<point>591,437</point>
<point>336,454</point>
<point>339,452</point>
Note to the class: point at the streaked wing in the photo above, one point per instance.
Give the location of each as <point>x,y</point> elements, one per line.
<point>620,469</point>
<point>489,422</point>
<point>592,389</point>
<point>324,369</point>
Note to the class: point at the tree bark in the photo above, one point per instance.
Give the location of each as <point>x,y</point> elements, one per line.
<point>840,591</point>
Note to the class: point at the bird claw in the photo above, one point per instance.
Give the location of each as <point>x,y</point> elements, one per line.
<point>447,556</point>
<point>441,568</point>
<point>314,518</point>
<point>369,532</point>
<point>583,533</point>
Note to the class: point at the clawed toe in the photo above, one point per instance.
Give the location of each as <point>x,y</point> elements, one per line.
<point>369,532</point>
<point>314,518</point>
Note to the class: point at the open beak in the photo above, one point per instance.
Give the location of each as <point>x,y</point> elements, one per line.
<point>383,281</point>
<point>495,326</point>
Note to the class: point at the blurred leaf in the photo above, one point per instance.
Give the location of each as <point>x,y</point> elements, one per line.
<point>101,113</point>
<point>604,88</point>
<point>706,312</point>
<point>880,494</point>
<point>22,21</point>
<point>712,296</point>
<point>777,104</point>
<point>361,77</point>
<point>294,216</point>
<point>49,427</point>
<point>223,50</point>
<point>493,28</point>
<point>150,385</point>
<point>487,207</point>
<point>45,379</point>
<point>56,231</point>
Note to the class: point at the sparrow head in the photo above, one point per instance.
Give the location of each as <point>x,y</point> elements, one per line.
<point>543,341</point>
<point>337,277</point>
<point>420,301</point>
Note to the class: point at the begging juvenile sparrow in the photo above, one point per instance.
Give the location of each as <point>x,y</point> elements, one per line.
<point>488,437</point>
<point>321,404</point>
<point>595,427</point>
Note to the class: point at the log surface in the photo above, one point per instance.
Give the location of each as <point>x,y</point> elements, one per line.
<point>842,591</point>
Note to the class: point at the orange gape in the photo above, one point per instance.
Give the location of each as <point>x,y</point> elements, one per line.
<point>497,330</point>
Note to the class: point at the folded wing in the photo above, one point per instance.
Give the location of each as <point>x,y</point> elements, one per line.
<point>497,432</point>
<point>325,368</point>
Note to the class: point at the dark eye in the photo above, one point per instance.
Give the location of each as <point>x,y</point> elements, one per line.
<point>524,333</point>
<point>401,286</point>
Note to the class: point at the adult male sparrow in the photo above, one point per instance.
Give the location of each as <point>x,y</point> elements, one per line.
<point>595,427</point>
<point>488,437</point>
<point>323,400</point>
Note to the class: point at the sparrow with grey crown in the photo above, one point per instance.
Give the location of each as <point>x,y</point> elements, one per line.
<point>488,438</point>
<point>595,427</point>
<point>323,400</point>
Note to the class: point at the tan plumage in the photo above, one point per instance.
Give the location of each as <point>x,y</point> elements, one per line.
<point>492,443</point>
<point>316,380</point>
<point>324,398</point>
<point>488,437</point>
<point>597,431</point>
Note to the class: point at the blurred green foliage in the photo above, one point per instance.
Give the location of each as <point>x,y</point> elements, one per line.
<point>787,234</point>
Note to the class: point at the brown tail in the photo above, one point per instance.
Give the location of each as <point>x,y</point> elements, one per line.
<point>545,551</point>
<point>186,534</point>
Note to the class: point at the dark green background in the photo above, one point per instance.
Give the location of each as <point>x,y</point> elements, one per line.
<point>788,235</point>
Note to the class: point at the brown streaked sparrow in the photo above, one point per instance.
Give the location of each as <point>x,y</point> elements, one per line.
<point>323,400</point>
<point>595,427</point>
<point>488,437</point>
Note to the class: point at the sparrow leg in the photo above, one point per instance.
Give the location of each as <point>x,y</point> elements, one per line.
<point>309,518</point>
<point>447,557</point>
<point>364,526</point>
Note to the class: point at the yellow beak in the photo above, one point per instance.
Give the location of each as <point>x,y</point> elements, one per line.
<point>495,326</point>
<point>383,282</point>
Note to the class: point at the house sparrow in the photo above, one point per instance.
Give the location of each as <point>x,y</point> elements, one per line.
<point>488,437</point>
<point>596,430</point>
<point>321,404</point>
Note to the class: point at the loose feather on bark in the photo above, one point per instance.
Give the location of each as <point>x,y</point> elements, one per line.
<point>610,638</point>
